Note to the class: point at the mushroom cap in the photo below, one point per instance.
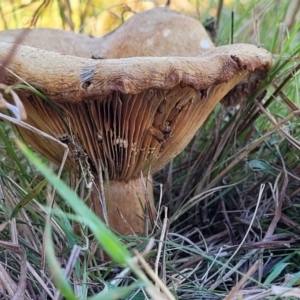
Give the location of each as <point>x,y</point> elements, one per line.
<point>56,40</point>
<point>155,32</point>
<point>129,114</point>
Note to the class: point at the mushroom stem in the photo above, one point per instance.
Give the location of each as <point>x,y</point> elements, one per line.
<point>127,203</point>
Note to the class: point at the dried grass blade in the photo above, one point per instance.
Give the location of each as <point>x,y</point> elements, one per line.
<point>39,279</point>
<point>286,292</point>
<point>158,282</point>
<point>160,245</point>
<point>242,281</point>
<point>8,285</point>
<point>19,291</point>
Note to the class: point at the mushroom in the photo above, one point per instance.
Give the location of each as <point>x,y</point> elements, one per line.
<point>123,117</point>
<point>155,32</point>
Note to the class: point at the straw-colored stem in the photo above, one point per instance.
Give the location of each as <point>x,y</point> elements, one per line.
<point>127,205</point>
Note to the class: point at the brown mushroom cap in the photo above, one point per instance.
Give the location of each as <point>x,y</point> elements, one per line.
<point>134,112</point>
<point>155,32</point>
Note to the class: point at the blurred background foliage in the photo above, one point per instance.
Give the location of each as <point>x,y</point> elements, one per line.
<point>96,17</point>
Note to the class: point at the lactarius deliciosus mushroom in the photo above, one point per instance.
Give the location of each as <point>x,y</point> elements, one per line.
<point>129,116</point>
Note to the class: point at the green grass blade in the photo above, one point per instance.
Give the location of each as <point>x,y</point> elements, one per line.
<point>276,272</point>
<point>32,194</point>
<point>58,275</point>
<point>105,237</point>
